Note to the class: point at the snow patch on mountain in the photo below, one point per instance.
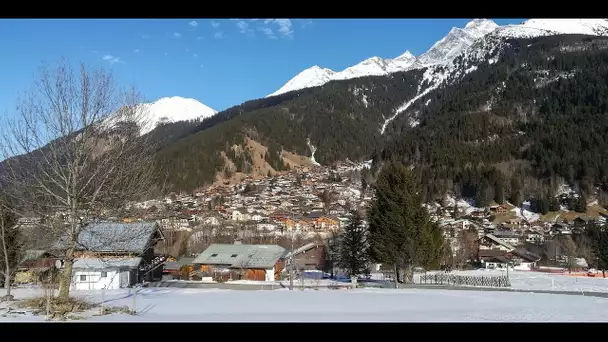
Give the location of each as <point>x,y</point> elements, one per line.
<point>164,110</point>
<point>434,76</point>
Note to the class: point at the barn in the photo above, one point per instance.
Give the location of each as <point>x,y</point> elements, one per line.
<point>241,262</point>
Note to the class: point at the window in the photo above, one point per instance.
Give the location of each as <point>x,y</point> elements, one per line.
<point>104,274</point>
<point>234,255</point>
<point>83,277</point>
<point>213,255</point>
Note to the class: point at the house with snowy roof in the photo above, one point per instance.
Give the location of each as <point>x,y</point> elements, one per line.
<point>111,255</point>
<point>241,262</point>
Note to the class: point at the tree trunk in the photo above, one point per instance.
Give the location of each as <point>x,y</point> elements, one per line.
<point>65,279</point>
<point>7,265</point>
<point>396,279</point>
<point>7,282</point>
<point>604,273</point>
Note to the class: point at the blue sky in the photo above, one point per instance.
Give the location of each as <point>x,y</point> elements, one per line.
<point>221,63</point>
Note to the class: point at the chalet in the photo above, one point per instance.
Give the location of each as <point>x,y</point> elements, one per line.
<point>321,222</point>
<point>115,255</point>
<point>490,242</point>
<point>308,257</point>
<point>534,237</point>
<point>581,221</point>
<point>560,229</point>
<point>498,210</point>
<point>36,266</point>
<point>507,236</point>
<point>517,259</point>
<point>239,261</point>
<point>478,214</point>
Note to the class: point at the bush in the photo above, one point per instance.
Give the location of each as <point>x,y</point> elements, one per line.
<point>59,308</point>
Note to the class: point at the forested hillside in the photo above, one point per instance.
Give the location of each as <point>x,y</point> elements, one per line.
<point>517,127</point>
<point>511,128</point>
<point>342,119</point>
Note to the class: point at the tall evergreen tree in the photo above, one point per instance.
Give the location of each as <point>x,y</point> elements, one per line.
<point>354,255</point>
<point>598,236</point>
<point>401,233</point>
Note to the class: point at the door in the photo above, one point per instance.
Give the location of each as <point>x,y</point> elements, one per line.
<point>124,279</point>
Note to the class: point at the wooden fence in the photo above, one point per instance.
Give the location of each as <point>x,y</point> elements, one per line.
<point>462,280</point>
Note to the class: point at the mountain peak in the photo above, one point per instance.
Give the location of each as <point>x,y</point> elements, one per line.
<point>407,55</point>
<point>307,78</point>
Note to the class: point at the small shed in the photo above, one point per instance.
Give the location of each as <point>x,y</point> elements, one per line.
<point>109,274</point>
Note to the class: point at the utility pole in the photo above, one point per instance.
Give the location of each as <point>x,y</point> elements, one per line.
<point>291,255</point>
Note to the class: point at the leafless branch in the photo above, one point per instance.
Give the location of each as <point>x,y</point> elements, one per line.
<point>73,151</point>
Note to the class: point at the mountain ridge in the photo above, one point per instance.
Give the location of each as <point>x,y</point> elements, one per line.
<point>447,48</point>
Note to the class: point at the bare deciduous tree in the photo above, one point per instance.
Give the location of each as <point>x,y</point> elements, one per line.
<point>10,248</point>
<point>75,149</point>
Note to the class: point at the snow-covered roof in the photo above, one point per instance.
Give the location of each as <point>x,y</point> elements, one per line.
<point>241,256</point>
<point>99,264</point>
<point>114,237</point>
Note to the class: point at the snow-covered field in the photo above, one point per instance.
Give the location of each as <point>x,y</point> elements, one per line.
<point>545,281</point>
<point>200,305</point>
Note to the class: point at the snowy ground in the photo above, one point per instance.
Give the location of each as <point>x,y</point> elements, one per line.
<point>526,280</point>
<point>199,305</point>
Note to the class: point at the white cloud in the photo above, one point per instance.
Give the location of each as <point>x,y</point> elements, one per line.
<point>215,24</point>
<point>304,23</point>
<point>195,55</point>
<point>112,59</point>
<point>177,34</point>
<point>218,35</point>
<point>285,26</point>
<point>193,23</point>
<point>242,26</point>
<point>136,50</point>
<point>268,32</point>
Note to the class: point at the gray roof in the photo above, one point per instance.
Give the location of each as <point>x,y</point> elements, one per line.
<point>94,263</point>
<point>241,256</point>
<point>185,261</point>
<point>172,265</point>
<point>130,237</point>
<point>300,250</point>
<point>500,242</point>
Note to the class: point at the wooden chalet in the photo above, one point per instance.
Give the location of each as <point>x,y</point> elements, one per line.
<point>240,261</point>
<point>308,257</point>
<point>112,255</point>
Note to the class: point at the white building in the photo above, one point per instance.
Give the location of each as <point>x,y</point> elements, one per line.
<point>104,274</point>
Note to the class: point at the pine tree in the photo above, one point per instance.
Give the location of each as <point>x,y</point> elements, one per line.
<point>581,205</point>
<point>354,255</point>
<point>400,231</point>
<point>599,245</point>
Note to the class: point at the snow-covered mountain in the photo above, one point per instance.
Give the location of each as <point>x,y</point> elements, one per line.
<point>165,110</point>
<point>478,33</point>
<point>450,46</point>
